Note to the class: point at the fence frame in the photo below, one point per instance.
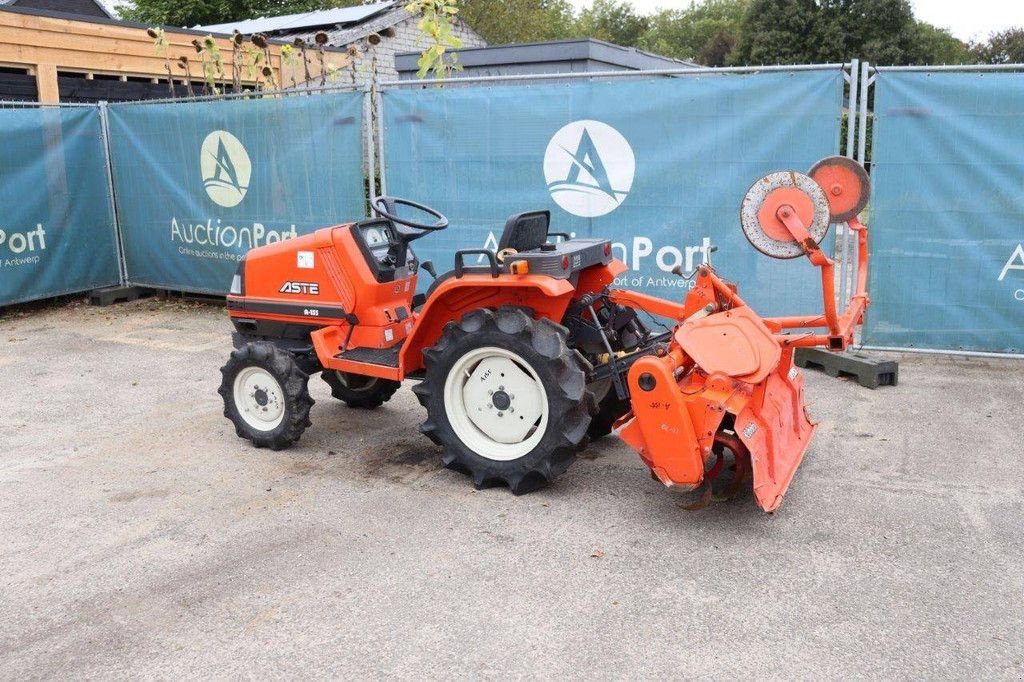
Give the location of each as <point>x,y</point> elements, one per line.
<point>877,71</point>
<point>122,268</point>
<point>842,237</point>
<point>860,77</point>
<point>383,86</point>
<point>365,135</point>
<point>104,141</point>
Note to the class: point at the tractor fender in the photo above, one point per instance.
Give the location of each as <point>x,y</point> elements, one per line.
<point>734,342</point>
<point>546,296</point>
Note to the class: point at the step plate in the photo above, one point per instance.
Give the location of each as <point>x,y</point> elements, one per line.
<point>385,357</point>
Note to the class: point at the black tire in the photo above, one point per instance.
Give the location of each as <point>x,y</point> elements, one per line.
<point>358,390</point>
<point>609,409</point>
<point>542,345</point>
<point>291,382</point>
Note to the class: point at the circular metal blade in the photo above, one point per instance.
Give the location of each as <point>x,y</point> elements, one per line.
<point>846,184</point>
<point>763,237</point>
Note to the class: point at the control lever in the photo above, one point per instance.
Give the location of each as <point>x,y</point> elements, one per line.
<point>678,270</point>
<point>428,265</point>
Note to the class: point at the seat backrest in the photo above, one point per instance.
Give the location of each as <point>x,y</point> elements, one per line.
<point>525,231</point>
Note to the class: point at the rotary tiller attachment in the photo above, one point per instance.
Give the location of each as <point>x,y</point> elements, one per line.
<point>723,479</point>
<point>726,379</point>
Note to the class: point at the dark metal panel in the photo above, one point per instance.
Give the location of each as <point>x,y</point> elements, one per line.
<point>19,87</point>
<point>75,89</point>
<point>85,8</point>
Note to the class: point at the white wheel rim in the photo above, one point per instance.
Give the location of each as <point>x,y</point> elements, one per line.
<point>259,398</point>
<point>496,403</point>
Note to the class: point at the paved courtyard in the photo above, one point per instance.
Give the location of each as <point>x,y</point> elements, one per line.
<point>139,537</point>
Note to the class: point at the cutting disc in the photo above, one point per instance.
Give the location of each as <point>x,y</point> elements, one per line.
<point>761,225</point>
<point>846,185</point>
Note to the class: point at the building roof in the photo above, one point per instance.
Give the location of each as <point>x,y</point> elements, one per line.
<point>341,36</point>
<point>32,11</point>
<point>524,57</point>
<point>340,19</point>
<point>85,8</point>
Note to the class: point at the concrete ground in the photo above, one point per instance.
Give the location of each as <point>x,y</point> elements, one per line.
<point>140,538</point>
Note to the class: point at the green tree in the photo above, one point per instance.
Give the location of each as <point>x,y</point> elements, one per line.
<point>613,21</point>
<point>1005,47</point>
<point>706,32</point>
<point>805,31</point>
<point>203,12</point>
<point>935,45</point>
<point>719,49</point>
<point>779,32</point>
<point>880,31</point>
<point>501,22</point>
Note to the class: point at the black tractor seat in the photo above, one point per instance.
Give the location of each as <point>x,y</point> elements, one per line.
<point>528,234</point>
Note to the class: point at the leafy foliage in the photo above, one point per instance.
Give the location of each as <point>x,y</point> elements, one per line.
<point>436,27</point>
<point>935,45</point>
<point>706,33</point>
<point>808,31</point>
<point>709,32</point>
<point>519,21</point>
<point>202,12</point>
<point>614,21</point>
<point>1005,47</point>
<point>779,32</point>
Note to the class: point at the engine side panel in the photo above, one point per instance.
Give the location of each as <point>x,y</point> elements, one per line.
<point>320,280</point>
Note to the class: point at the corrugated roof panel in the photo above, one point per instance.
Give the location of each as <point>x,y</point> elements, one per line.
<point>297,22</point>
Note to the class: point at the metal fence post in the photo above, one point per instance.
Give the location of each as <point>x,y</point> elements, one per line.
<point>842,230</point>
<point>862,134</point>
<point>122,266</point>
<point>863,103</point>
<point>851,106</point>
<point>368,141</point>
<point>380,142</point>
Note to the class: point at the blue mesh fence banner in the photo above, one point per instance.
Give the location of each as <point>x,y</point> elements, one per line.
<point>57,228</point>
<point>947,218</point>
<point>198,184</point>
<point>658,166</point>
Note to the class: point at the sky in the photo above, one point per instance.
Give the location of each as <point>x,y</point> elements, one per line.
<point>966,19</point>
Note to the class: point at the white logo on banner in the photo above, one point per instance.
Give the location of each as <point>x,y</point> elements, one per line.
<point>1014,263</point>
<point>589,168</point>
<point>225,167</point>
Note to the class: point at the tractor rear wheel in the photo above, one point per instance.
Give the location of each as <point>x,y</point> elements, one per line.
<point>265,395</point>
<point>505,398</point>
<point>359,390</point>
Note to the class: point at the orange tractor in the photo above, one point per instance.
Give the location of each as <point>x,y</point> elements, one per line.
<point>521,361</point>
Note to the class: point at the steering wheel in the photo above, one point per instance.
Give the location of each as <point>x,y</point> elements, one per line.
<point>386,207</point>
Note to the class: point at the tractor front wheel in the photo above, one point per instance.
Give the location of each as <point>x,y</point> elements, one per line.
<point>265,395</point>
<point>505,398</point>
<point>358,390</point>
